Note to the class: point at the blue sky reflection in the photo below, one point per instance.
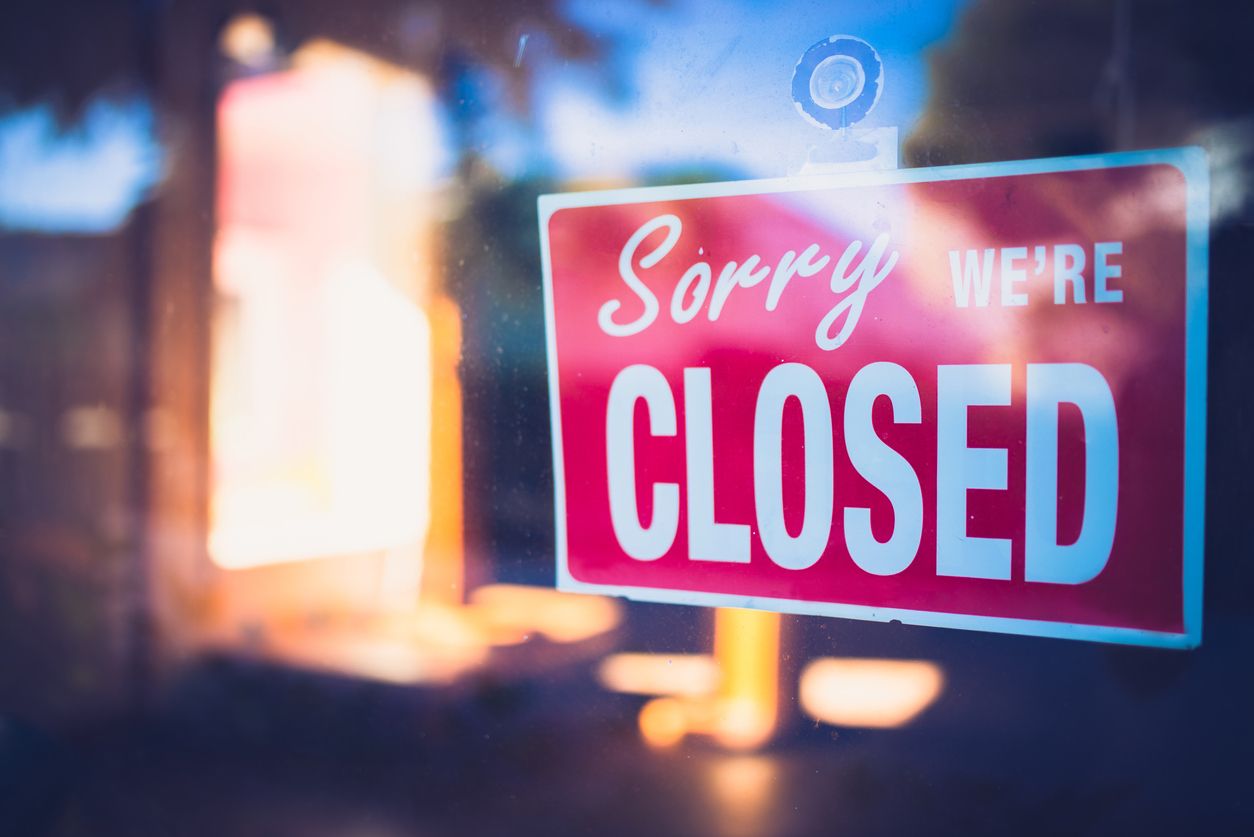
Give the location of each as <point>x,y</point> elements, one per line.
<point>85,178</point>
<point>709,83</point>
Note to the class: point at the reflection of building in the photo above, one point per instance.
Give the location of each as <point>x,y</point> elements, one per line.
<point>322,382</point>
<point>259,445</point>
<point>333,346</point>
<point>335,521</point>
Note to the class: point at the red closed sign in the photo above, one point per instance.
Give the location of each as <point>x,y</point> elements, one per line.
<point>968,397</point>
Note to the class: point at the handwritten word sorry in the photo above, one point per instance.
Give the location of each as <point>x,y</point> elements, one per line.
<point>697,285</point>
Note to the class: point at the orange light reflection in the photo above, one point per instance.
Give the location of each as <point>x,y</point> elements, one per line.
<point>869,693</point>
<point>686,675</point>
<point>732,697</point>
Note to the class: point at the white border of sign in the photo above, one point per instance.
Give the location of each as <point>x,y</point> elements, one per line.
<point>1190,161</point>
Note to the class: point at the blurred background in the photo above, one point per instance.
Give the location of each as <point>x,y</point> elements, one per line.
<point>276,526</point>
